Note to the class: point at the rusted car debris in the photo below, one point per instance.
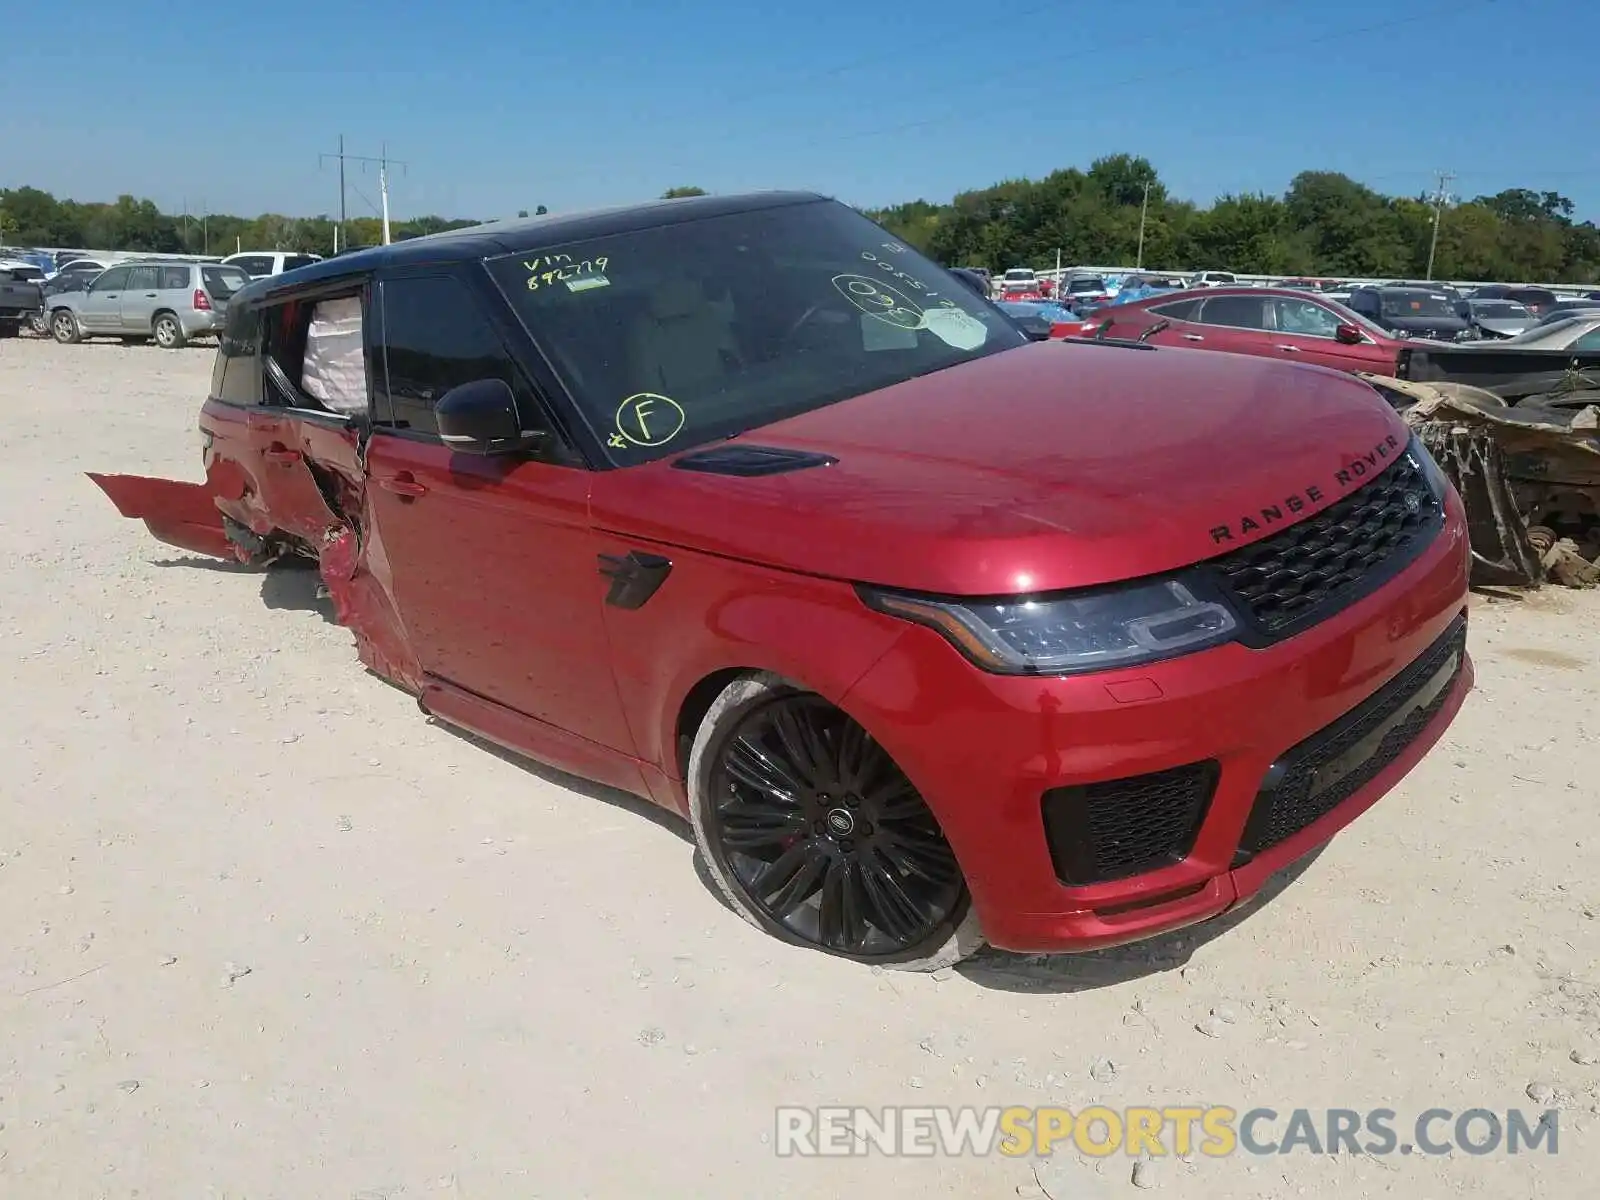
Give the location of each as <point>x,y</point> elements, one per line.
<point>1529,474</point>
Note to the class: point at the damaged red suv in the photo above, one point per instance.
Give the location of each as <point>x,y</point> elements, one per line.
<point>933,634</point>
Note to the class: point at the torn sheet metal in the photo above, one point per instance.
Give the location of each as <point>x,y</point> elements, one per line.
<point>180,514</point>
<point>1529,476</point>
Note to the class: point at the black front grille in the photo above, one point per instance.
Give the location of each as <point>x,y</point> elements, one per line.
<point>1310,570</point>
<point>1330,766</point>
<point>1103,831</point>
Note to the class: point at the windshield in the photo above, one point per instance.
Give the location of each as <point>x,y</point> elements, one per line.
<point>1416,304</point>
<point>1019,275</point>
<point>223,282</point>
<point>1085,284</point>
<point>676,335</point>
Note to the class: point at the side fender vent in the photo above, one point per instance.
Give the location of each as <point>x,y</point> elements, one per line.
<point>752,460</point>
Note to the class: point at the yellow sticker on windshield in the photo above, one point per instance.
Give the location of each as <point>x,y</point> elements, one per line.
<point>647,419</point>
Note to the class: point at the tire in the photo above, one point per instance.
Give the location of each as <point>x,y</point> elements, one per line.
<point>64,327</point>
<point>765,770</point>
<point>39,324</point>
<point>169,332</point>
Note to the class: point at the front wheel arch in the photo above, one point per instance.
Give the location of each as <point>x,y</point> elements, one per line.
<point>948,939</point>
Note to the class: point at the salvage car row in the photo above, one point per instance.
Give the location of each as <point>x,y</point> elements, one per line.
<point>935,636</point>
<point>166,300</point>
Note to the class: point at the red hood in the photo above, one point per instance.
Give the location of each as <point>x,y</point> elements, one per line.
<point>1049,466</point>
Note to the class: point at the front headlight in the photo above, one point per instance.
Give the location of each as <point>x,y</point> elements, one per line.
<point>1068,633</point>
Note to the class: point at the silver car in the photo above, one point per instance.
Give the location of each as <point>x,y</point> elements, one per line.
<point>171,302</point>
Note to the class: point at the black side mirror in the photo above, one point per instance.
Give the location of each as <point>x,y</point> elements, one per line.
<point>480,418</point>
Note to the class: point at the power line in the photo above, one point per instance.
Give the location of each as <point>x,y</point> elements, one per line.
<point>383,162</point>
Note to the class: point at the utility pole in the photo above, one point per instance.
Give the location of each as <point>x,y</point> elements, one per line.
<point>383,188</point>
<point>1144,207</point>
<point>1445,179</point>
<point>384,162</point>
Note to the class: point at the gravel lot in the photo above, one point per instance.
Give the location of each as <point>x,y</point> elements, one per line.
<point>265,931</point>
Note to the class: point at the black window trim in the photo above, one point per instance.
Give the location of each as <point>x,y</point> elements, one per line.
<point>473,275</point>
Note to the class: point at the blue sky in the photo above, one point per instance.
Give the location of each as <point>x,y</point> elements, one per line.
<point>497,105</point>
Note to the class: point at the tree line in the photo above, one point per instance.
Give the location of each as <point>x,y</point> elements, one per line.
<point>1325,224</point>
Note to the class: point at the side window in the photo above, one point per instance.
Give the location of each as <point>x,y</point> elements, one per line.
<point>1365,303</point>
<point>113,280</point>
<point>292,261</point>
<point>1589,341</point>
<point>1178,310</point>
<point>1305,318</point>
<point>174,278</point>
<point>435,336</point>
<point>253,265</point>
<point>143,279</point>
<point>236,378</point>
<point>1236,312</point>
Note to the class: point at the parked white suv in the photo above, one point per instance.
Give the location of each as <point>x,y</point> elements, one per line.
<point>258,264</point>
<point>1213,279</point>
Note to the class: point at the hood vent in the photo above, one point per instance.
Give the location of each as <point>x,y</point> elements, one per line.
<point>752,460</point>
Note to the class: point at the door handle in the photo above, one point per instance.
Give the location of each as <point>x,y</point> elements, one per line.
<point>403,485</point>
<point>149,295</point>
<point>1193,337</point>
<point>1290,349</point>
<point>282,455</point>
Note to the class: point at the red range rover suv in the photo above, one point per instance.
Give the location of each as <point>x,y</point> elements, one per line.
<point>934,634</point>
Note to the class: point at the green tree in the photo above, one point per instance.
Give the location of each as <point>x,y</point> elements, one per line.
<point>674,193</point>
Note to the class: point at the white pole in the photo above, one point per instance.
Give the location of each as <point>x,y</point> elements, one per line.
<point>383,186</point>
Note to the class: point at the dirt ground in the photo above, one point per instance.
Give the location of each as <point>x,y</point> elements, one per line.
<point>265,931</point>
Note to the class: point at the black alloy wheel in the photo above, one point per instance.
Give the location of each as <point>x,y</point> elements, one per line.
<point>826,837</point>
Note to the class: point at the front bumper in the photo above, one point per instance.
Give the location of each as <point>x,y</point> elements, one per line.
<point>985,749</point>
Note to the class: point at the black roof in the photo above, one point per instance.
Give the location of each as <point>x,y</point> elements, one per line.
<point>524,234</point>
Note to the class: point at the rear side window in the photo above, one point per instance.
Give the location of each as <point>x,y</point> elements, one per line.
<point>174,278</point>
<point>292,261</point>
<point>235,377</point>
<point>1178,310</point>
<point>435,336</point>
<point>254,265</point>
<point>1236,312</point>
<point>223,282</point>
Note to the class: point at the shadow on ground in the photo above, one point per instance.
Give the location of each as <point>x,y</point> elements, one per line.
<point>292,584</point>
<point>1062,973</point>
<point>587,788</point>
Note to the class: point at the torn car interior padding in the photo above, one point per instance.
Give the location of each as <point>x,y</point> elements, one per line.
<point>335,368</point>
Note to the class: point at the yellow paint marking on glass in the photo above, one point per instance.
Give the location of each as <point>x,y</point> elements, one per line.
<point>647,419</point>
<point>542,272</point>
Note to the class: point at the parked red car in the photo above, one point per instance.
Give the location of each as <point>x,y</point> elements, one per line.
<point>1270,322</point>
<point>932,633</point>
